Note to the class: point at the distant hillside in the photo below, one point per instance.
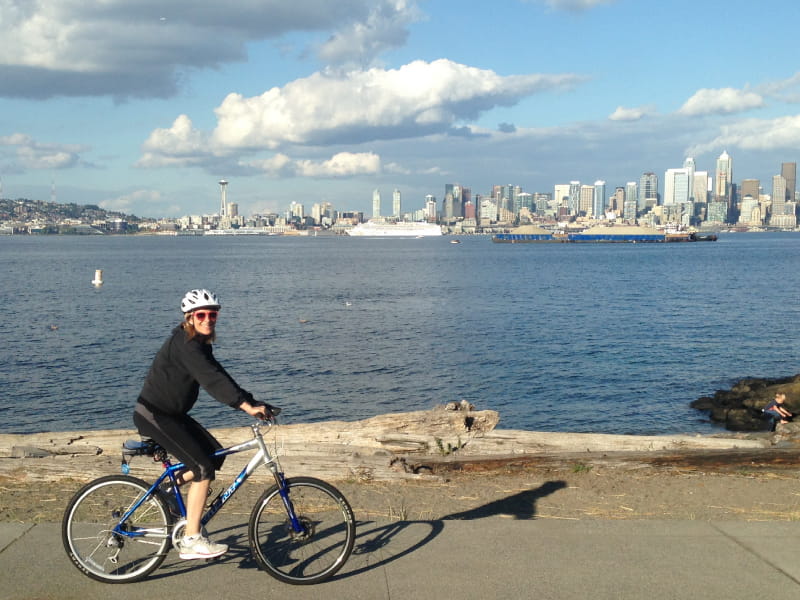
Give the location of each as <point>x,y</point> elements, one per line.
<point>53,212</point>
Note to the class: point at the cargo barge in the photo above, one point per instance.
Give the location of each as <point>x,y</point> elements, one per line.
<point>619,234</point>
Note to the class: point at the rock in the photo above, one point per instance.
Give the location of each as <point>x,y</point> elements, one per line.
<point>740,408</point>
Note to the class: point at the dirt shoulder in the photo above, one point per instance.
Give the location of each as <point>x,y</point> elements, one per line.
<point>732,484</point>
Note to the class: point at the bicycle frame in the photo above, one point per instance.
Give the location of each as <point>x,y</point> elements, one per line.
<point>261,457</point>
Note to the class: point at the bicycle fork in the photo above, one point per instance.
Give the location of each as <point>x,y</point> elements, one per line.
<point>283,490</point>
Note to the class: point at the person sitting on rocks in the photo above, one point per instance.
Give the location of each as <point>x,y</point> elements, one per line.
<point>776,411</point>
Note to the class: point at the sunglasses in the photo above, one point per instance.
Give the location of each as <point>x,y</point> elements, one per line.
<point>201,315</point>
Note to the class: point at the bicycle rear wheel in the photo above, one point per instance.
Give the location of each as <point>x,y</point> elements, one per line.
<point>106,549</point>
<point>314,554</point>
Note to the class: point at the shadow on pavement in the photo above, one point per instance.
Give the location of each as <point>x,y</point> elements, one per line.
<point>378,544</point>
<point>519,506</point>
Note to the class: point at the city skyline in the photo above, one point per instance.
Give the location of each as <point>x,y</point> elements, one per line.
<point>139,107</point>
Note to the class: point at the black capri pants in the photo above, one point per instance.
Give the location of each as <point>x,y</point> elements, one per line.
<point>182,437</point>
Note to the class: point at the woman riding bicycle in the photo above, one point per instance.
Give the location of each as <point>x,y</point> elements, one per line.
<point>183,364</point>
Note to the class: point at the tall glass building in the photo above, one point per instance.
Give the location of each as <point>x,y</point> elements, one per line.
<point>648,190</point>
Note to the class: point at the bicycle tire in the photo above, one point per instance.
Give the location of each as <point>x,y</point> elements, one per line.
<point>88,524</point>
<point>310,557</point>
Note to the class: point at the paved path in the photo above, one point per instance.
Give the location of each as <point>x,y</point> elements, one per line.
<point>440,560</point>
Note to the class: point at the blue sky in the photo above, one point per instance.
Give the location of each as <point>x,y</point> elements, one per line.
<point>143,106</point>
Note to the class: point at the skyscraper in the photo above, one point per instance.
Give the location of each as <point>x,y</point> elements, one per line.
<point>430,208</point>
<point>778,201</point>
<point>723,179</point>
<point>648,190</point>
<point>376,203</point>
<point>676,186</point>
<point>396,203</point>
<point>752,188</point>
<point>574,197</point>
<point>700,186</point>
<point>599,200</point>
<point>690,167</point>
<point>789,172</point>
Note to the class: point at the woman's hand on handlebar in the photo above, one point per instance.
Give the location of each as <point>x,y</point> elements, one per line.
<point>260,410</point>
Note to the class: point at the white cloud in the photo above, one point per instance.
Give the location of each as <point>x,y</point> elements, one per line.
<point>143,48</point>
<point>721,101</point>
<point>361,42</point>
<point>137,198</point>
<point>755,134</point>
<point>30,154</point>
<point>342,164</point>
<point>180,145</point>
<point>631,114</point>
<point>419,98</point>
<point>785,90</point>
<point>575,5</point>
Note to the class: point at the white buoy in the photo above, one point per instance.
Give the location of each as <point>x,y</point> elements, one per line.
<point>98,277</point>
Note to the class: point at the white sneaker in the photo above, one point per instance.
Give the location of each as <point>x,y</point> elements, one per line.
<point>200,547</point>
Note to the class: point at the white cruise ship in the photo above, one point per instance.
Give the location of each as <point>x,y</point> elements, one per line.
<point>380,228</point>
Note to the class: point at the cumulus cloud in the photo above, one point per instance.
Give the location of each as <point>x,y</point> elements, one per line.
<point>631,114</point>
<point>755,134</point>
<point>179,145</point>
<point>144,48</point>
<point>721,101</point>
<point>419,98</point>
<point>30,154</point>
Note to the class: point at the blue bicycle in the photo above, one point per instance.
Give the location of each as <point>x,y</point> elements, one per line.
<point>118,528</point>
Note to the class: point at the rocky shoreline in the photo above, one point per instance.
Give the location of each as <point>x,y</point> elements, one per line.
<point>740,408</point>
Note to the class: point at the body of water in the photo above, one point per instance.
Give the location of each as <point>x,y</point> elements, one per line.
<point>612,338</point>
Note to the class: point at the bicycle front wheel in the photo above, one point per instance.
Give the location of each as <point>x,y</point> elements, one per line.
<point>324,543</point>
<point>102,545</point>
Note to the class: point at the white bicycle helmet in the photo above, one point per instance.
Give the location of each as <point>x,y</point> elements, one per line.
<point>195,299</point>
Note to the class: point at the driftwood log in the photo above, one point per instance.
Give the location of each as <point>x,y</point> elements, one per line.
<point>385,447</point>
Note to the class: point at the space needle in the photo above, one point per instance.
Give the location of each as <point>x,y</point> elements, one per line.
<point>223,212</point>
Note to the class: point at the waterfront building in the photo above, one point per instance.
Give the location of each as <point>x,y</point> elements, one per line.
<point>430,208</point>
<point>396,203</point>
<point>376,203</point>
<point>561,197</point>
<point>585,200</point>
<point>452,207</point>
<point>487,210</point>
<point>750,211</point>
<point>297,210</point>
<point>469,211</point>
<point>574,205</point>
<point>599,199</point>
<point>632,191</point>
<point>617,200</point>
<point>648,191</point>
<point>629,210</point>
<point>523,200</point>
<point>676,186</point>
<point>717,212</point>
<point>541,202</point>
